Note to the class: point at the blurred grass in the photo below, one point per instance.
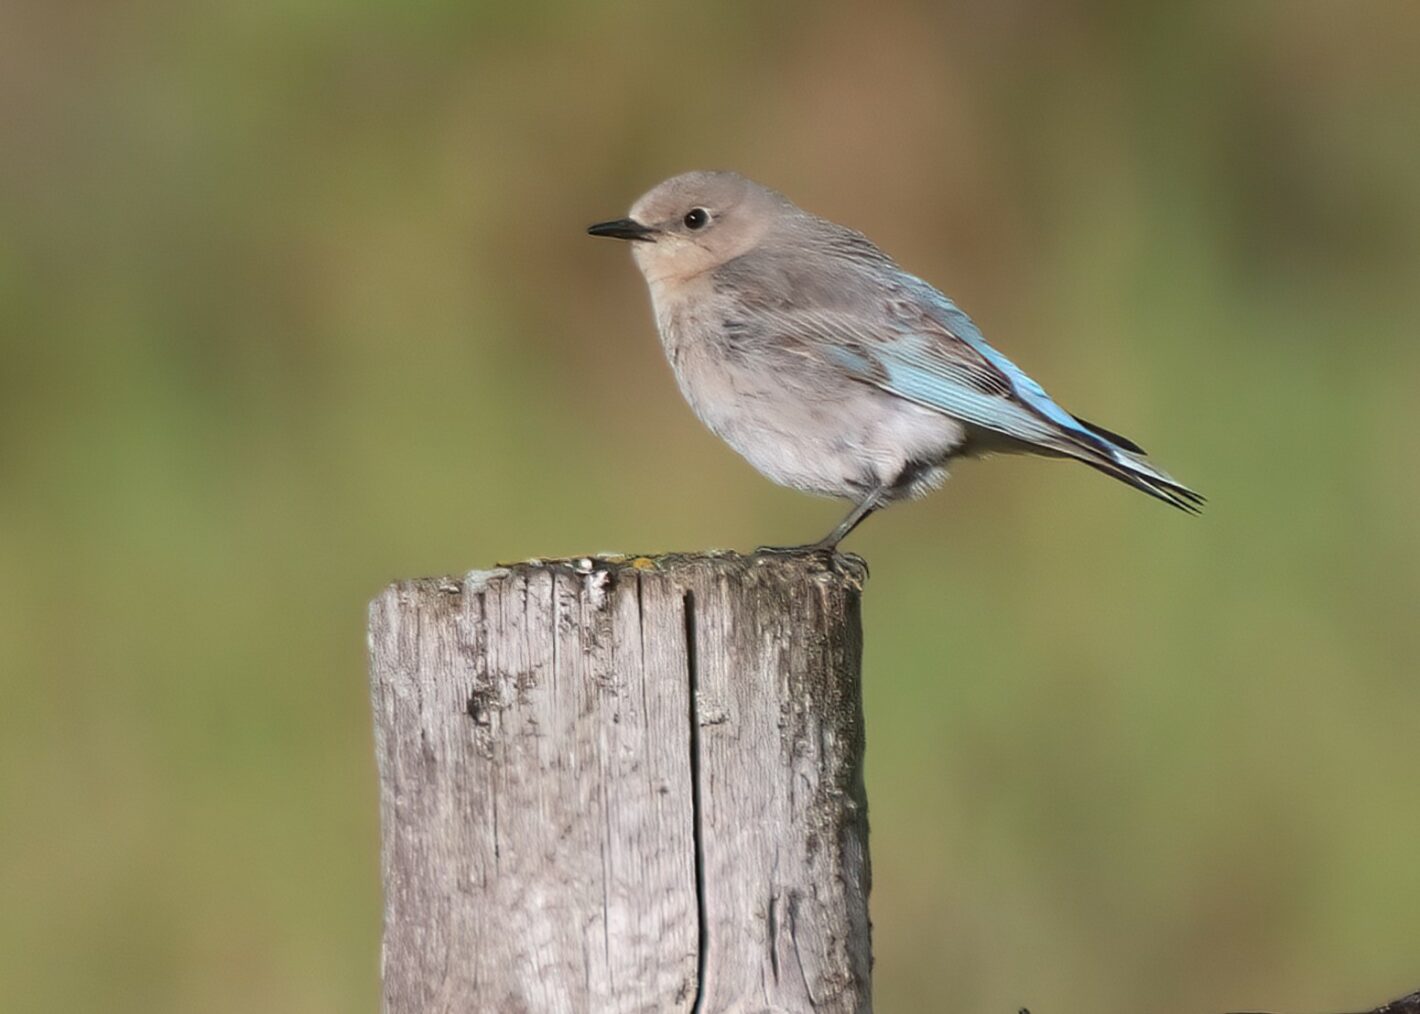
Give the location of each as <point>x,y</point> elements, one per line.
<point>294,300</point>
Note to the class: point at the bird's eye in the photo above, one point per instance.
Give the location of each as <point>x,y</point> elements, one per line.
<point>696,218</point>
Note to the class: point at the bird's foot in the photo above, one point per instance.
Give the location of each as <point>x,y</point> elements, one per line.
<point>849,564</point>
<point>804,550</point>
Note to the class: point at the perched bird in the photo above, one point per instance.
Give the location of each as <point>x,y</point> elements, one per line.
<point>831,369</point>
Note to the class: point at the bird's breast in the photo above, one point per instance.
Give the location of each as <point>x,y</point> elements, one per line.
<point>685,315</point>
<point>794,416</point>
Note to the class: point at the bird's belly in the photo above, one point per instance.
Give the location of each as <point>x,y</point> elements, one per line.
<point>818,431</point>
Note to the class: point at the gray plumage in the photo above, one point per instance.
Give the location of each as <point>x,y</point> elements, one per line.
<point>827,366</point>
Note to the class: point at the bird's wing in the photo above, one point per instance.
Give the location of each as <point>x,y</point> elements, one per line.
<point>936,357</point>
<point>919,346</point>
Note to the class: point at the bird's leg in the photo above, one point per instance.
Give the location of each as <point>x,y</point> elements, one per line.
<point>829,543</point>
<point>855,517</point>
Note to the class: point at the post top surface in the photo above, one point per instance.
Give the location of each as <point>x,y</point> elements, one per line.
<point>842,568</point>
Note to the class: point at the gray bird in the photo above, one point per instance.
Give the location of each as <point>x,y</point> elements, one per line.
<point>832,370</point>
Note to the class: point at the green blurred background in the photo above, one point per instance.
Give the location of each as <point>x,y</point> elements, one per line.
<point>295,300</point>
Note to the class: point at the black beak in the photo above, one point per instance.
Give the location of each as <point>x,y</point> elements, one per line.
<point>623,228</point>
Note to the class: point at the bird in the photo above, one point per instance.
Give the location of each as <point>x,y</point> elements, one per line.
<point>827,366</point>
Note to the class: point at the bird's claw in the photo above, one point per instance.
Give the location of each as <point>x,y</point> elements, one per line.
<point>849,565</point>
<point>807,549</point>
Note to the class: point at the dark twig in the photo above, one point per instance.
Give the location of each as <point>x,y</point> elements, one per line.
<point>1408,1004</point>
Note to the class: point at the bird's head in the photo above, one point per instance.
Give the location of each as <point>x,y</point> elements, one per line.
<point>695,222</point>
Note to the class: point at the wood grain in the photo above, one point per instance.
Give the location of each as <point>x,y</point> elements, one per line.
<point>624,785</point>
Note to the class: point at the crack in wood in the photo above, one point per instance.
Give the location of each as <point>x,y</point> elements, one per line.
<point>697,814</point>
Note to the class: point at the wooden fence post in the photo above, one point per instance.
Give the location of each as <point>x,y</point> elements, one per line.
<point>616,784</point>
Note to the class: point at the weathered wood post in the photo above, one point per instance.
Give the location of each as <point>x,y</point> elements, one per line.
<point>617,784</point>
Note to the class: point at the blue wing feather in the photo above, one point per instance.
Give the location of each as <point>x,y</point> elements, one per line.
<point>1030,392</point>
<point>931,365</point>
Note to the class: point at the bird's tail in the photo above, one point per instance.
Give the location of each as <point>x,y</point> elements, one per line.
<point>1146,477</point>
<point>1126,466</point>
<point>1123,459</point>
